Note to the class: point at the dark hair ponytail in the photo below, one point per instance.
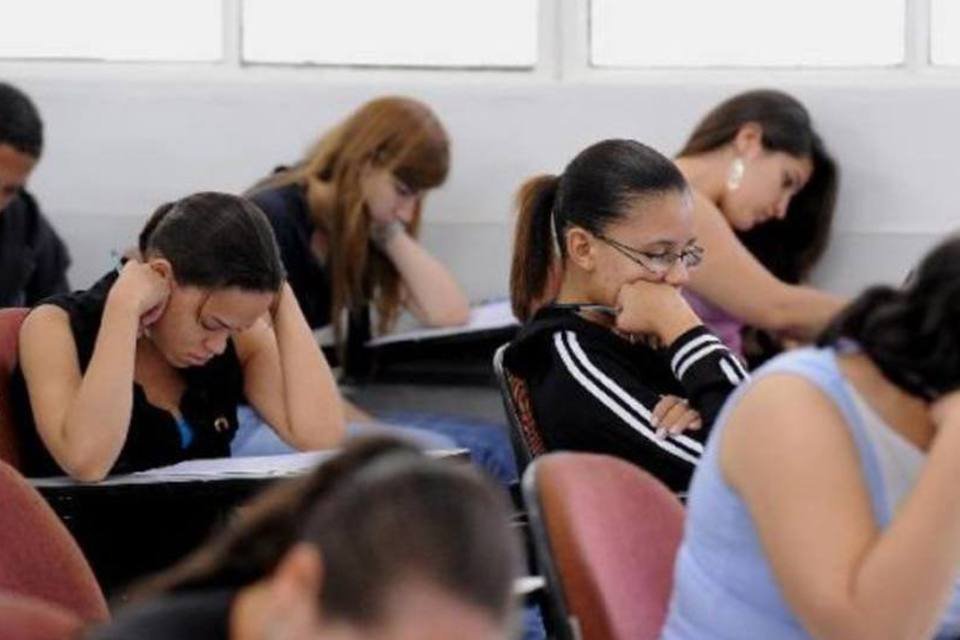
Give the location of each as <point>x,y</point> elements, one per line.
<point>913,333</point>
<point>533,245</point>
<point>215,240</point>
<point>594,191</point>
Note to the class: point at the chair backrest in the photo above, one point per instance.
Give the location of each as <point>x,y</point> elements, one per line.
<point>606,534</point>
<point>38,556</point>
<point>525,435</point>
<point>10,321</point>
<point>25,618</point>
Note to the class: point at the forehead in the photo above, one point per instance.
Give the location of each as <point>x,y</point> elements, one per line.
<point>666,217</point>
<point>15,166</point>
<point>235,307</point>
<point>803,165</point>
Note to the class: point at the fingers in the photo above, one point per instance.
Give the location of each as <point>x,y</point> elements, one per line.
<point>672,416</point>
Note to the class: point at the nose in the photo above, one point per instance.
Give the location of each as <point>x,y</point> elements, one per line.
<point>217,343</point>
<point>780,212</point>
<point>406,208</point>
<point>678,274</point>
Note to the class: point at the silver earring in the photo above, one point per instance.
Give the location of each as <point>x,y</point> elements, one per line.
<point>735,175</point>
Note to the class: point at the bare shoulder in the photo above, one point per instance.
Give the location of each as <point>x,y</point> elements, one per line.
<point>782,418</point>
<point>708,219</point>
<point>46,322</point>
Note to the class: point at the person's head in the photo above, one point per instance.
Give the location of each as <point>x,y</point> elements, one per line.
<point>219,257</point>
<point>21,141</point>
<point>618,213</point>
<point>781,182</point>
<point>380,543</point>
<point>912,333</point>
<point>379,163</point>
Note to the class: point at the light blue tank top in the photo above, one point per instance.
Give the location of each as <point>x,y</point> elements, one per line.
<point>723,586</point>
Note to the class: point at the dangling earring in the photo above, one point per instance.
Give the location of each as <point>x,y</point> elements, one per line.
<point>735,175</point>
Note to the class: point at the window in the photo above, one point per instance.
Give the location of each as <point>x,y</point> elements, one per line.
<point>171,30</point>
<point>945,32</point>
<point>736,33</point>
<point>430,33</point>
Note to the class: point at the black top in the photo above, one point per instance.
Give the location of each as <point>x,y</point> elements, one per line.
<point>33,259</point>
<point>593,390</point>
<point>208,406</point>
<point>288,212</point>
<point>201,615</point>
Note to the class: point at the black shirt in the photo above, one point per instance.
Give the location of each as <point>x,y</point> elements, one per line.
<point>593,390</point>
<point>208,406</point>
<point>33,259</point>
<point>288,212</point>
<point>200,615</point>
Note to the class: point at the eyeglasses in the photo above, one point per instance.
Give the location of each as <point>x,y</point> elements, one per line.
<point>658,263</point>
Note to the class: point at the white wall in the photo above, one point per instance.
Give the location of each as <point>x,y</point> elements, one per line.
<point>119,143</point>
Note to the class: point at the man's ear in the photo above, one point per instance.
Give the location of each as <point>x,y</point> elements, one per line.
<point>580,247</point>
<point>748,143</point>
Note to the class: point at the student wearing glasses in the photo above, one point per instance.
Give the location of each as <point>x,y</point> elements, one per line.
<point>764,190</point>
<point>616,362</point>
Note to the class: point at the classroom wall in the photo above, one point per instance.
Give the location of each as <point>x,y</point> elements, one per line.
<point>120,144</point>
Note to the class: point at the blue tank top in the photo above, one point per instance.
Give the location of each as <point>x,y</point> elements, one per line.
<point>723,586</point>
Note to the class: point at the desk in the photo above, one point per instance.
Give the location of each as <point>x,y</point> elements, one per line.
<point>130,526</point>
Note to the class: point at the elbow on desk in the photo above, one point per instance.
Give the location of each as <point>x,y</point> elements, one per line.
<point>455,315</point>
<point>328,434</point>
<point>85,470</point>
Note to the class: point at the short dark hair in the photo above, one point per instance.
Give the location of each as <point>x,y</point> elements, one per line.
<point>20,123</point>
<point>215,240</point>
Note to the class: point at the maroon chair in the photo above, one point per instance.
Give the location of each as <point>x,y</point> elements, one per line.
<point>606,535</point>
<point>25,618</point>
<point>10,321</point>
<point>38,556</point>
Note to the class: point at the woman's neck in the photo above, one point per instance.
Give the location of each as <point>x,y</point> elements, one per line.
<point>574,292</point>
<point>906,414</point>
<point>706,173</point>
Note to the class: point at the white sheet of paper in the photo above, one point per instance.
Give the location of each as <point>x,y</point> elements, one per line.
<point>489,315</point>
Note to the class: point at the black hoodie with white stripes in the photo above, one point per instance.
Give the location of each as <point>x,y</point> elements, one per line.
<point>593,390</point>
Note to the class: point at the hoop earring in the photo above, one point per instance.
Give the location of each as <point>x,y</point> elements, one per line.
<point>735,175</point>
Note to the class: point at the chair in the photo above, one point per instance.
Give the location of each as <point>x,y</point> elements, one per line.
<point>25,618</point>
<point>38,556</point>
<point>606,534</point>
<point>10,321</point>
<point>525,435</point>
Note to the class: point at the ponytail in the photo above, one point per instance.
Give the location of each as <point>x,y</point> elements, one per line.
<point>910,335</point>
<point>533,249</point>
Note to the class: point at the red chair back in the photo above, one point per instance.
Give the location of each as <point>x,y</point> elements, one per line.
<point>38,556</point>
<point>606,534</point>
<point>25,618</point>
<point>10,321</point>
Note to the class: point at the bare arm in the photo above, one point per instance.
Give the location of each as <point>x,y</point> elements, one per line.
<point>731,278</point>
<point>433,296</point>
<point>288,381</point>
<point>842,576</point>
<point>83,419</point>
